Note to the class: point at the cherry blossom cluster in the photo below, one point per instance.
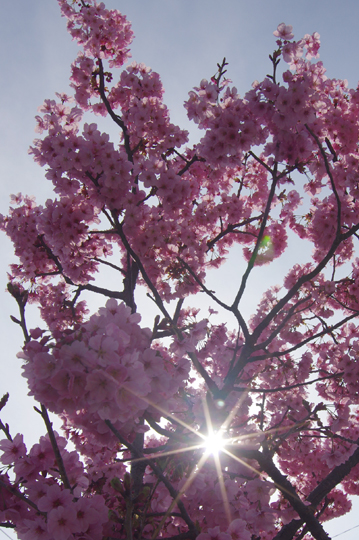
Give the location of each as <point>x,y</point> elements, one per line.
<point>55,512</point>
<point>277,164</point>
<point>101,32</point>
<point>105,370</point>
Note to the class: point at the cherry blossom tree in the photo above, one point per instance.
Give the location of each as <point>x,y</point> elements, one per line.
<point>191,429</point>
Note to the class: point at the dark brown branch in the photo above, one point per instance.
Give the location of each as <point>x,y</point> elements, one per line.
<point>117,119</point>
<point>5,427</point>
<point>107,231</point>
<point>307,277</point>
<point>237,313</point>
<point>329,173</point>
<point>336,242</point>
<point>135,257</point>
<point>20,496</point>
<point>7,525</point>
<point>129,283</point>
<point>178,310</point>
<point>275,59</point>
<point>326,327</point>
<point>174,494</point>
<point>138,467</point>
<point>159,429</point>
<point>327,330</point>
<point>288,531</point>
<point>189,163</point>
<point>262,411</point>
<point>306,513</point>
<point>319,493</point>
<point>232,375</point>
<point>292,311</point>
<point>351,232</point>
<point>331,149</point>
<point>4,400</point>
<point>109,217</point>
<point>107,263</point>
<point>303,279</point>
<point>333,479</point>
<point>94,180</point>
<point>341,304</point>
<point>21,299</point>
<point>158,300</point>
<point>46,274</point>
<point>201,370</point>
<point>263,163</point>
<point>251,261</point>
<point>285,388</point>
<point>220,72</point>
<point>203,287</point>
<point>170,150</point>
<point>152,193</point>
<point>231,229</point>
<point>58,457</point>
<point>120,295</point>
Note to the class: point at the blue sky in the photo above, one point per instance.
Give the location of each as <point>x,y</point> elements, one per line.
<point>181,39</point>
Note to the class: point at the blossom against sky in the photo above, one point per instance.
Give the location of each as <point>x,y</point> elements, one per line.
<point>181,39</point>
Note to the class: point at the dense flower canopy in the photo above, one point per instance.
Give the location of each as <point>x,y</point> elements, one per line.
<point>280,391</point>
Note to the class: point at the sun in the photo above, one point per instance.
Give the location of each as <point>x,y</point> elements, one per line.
<point>214,442</point>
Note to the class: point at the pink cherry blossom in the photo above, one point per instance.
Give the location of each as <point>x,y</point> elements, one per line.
<point>61,523</point>
<point>12,450</point>
<point>237,530</point>
<point>284,31</point>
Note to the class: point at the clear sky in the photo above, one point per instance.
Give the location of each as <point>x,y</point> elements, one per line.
<point>181,39</point>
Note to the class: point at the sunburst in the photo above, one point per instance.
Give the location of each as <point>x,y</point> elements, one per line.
<point>214,440</point>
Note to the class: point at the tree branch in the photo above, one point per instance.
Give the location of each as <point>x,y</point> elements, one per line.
<point>306,513</point>
<point>58,457</point>
<point>327,330</point>
<point>210,383</point>
<point>189,163</point>
<point>117,119</point>
<point>319,493</point>
<point>174,494</point>
<point>260,234</point>
<point>285,388</point>
<point>20,496</point>
<point>231,229</point>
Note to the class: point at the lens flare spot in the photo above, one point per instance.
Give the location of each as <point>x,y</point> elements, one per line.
<point>266,242</point>
<point>219,403</point>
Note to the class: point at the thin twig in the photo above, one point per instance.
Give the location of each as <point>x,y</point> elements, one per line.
<point>21,300</point>
<point>189,163</point>
<point>54,445</point>
<point>117,119</point>
<point>291,312</point>
<point>329,172</point>
<point>286,388</point>
<point>236,312</point>
<point>20,496</point>
<point>203,287</point>
<point>231,229</point>
<point>327,330</point>
<point>251,261</point>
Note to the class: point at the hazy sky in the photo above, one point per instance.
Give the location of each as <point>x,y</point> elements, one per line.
<point>181,39</point>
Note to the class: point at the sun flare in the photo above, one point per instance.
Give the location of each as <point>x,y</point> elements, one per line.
<point>214,443</point>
